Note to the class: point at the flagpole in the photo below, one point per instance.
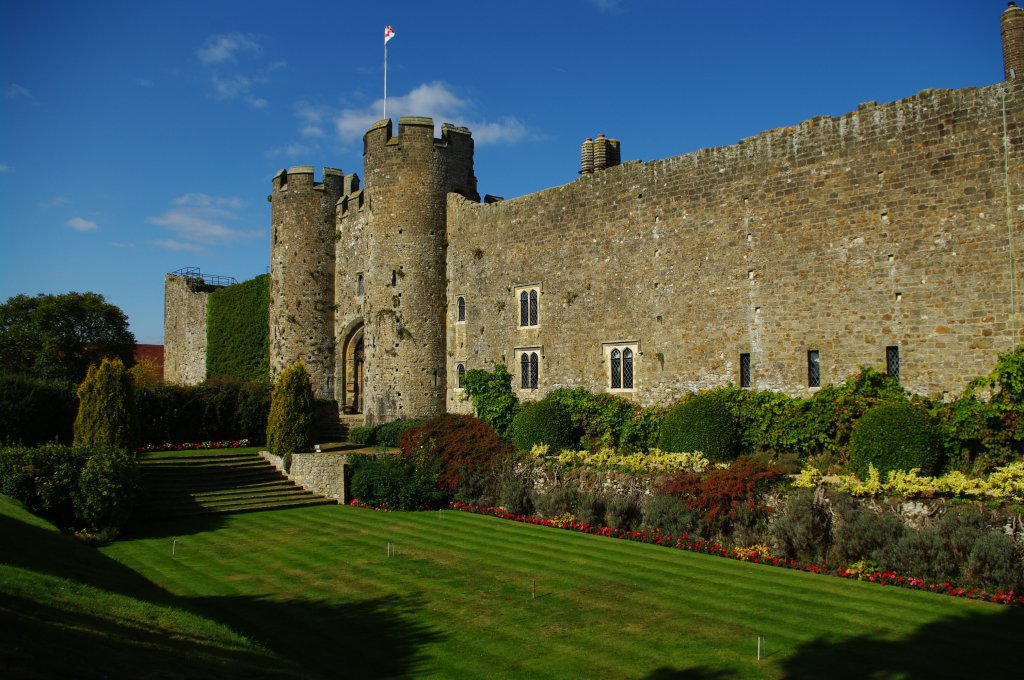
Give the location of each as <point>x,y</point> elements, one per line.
<point>385,79</point>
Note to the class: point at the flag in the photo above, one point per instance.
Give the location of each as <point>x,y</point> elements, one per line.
<point>389,33</point>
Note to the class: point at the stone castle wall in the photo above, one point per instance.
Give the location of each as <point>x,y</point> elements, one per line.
<point>884,227</point>
<point>184,331</point>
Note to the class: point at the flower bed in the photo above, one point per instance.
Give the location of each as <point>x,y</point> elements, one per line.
<point>756,554</point>
<point>197,446</point>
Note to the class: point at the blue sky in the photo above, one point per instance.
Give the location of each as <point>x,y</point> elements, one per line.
<point>137,138</point>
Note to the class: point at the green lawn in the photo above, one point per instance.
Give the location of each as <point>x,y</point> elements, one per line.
<point>315,589</point>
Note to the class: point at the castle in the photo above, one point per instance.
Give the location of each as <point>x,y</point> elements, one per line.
<point>885,237</point>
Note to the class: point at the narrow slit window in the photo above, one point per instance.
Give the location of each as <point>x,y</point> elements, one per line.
<point>744,370</point>
<point>616,369</point>
<point>462,309</point>
<point>524,371</point>
<point>460,373</point>
<point>627,369</point>
<point>533,307</point>
<point>534,370</point>
<point>813,369</point>
<point>359,285</point>
<point>524,309</point>
<point>892,362</point>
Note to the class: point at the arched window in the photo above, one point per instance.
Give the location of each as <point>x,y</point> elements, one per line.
<point>460,374</point>
<point>616,369</point>
<point>462,309</point>
<point>621,358</point>
<point>524,309</point>
<point>524,370</point>
<point>534,371</point>
<point>627,369</point>
<point>533,307</point>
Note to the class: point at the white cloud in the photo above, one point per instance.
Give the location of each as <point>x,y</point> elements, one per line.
<point>226,48</point>
<point>202,218</point>
<point>439,102</point>
<point>55,202</point>
<point>171,244</point>
<point>5,168</point>
<point>125,246</point>
<point>81,224</point>
<point>144,82</point>
<point>15,91</point>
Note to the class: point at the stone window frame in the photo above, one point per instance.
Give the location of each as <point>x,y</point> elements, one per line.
<point>746,370</point>
<point>813,369</point>
<point>528,352</point>
<point>460,309</point>
<point>527,308</point>
<point>892,362</point>
<point>460,374</point>
<point>621,345</point>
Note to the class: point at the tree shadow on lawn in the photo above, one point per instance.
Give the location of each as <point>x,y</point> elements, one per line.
<point>695,673</point>
<point>971,646</point>
<point>38,640</point>
<point>174,527</point>
<point>378,638</point>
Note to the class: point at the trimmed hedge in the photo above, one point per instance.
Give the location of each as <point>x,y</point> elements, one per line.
<point>544,422</point>
<point>894,436</point>
<point>390,481</point>
<point>237,330</point>
<point>389,435</point>
<point>36,411</point>
<point>704,423</point>
<point>212,411</point>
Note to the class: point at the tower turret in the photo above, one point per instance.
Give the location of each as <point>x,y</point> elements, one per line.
<point>1011,25</point>
<point>408,178</point>
<point>302,273</point>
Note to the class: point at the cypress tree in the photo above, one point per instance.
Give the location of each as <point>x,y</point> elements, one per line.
<point>106,408</point>
<point>291,426</point>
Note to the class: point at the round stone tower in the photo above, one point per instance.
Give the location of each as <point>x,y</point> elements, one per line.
<point>408,178</point>
<point>1011,25</point>
<point>302,273</point>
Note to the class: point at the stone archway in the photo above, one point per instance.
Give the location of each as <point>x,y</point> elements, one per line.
<point>352,375</point>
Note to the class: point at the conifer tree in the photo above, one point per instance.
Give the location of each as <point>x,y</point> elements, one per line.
<point>106,408</point>
<point>291,426</point>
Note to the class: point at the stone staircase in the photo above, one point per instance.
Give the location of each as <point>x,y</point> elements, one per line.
<point>331,426</point>
<point>182,484</point>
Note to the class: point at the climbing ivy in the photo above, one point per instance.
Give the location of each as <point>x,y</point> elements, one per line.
<point>237,323</point>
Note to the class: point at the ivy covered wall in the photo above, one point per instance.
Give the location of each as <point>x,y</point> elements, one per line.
<point>237,325</point>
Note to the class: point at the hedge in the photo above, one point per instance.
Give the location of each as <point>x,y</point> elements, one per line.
<point>237,330</point>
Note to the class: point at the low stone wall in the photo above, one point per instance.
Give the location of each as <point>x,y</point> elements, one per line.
<point>322,473</point>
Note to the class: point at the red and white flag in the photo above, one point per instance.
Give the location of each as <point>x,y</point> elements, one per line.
<point>389,33</point>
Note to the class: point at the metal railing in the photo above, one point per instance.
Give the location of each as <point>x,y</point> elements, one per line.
<point>197,278</point>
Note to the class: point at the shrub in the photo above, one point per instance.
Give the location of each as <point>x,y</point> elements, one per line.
<point>106,408</point>
<point>858,534</point>
<point>34,411</point>
<point>701,423</point>
<point>609,420</point>
<point>291,425</point>
<point>360,435</point>
<point>107,488</point>
<point>72,486</point>
<point>590,509</point>
<point>390,434</point>
<point>894,436</point>
<point>622,513</point>
<point>544,422</point>
<point>492,397</point>
<point>216,410</point>
<point>557,501</point>
<point>671,515</point>
<point>391,481</point>
<point>513,490</point>
<point>725,495</point>
<point>802,531</point>
<point>455,446</point>
<point>993,562</point>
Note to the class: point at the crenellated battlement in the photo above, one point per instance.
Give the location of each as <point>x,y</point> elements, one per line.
<point>352,196</point>
<point>417,130</point>
<point>301,178</point>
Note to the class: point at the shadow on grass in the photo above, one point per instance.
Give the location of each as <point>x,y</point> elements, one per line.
<point>697,673</point>
<point>39,640</point>
<point>971,646</point>
<point>376,638</point>
<point>367,639</point>
<point>174,527</point>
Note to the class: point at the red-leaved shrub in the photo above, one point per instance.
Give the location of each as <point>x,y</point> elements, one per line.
<point>722,495</point>
<point>456,447</point>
